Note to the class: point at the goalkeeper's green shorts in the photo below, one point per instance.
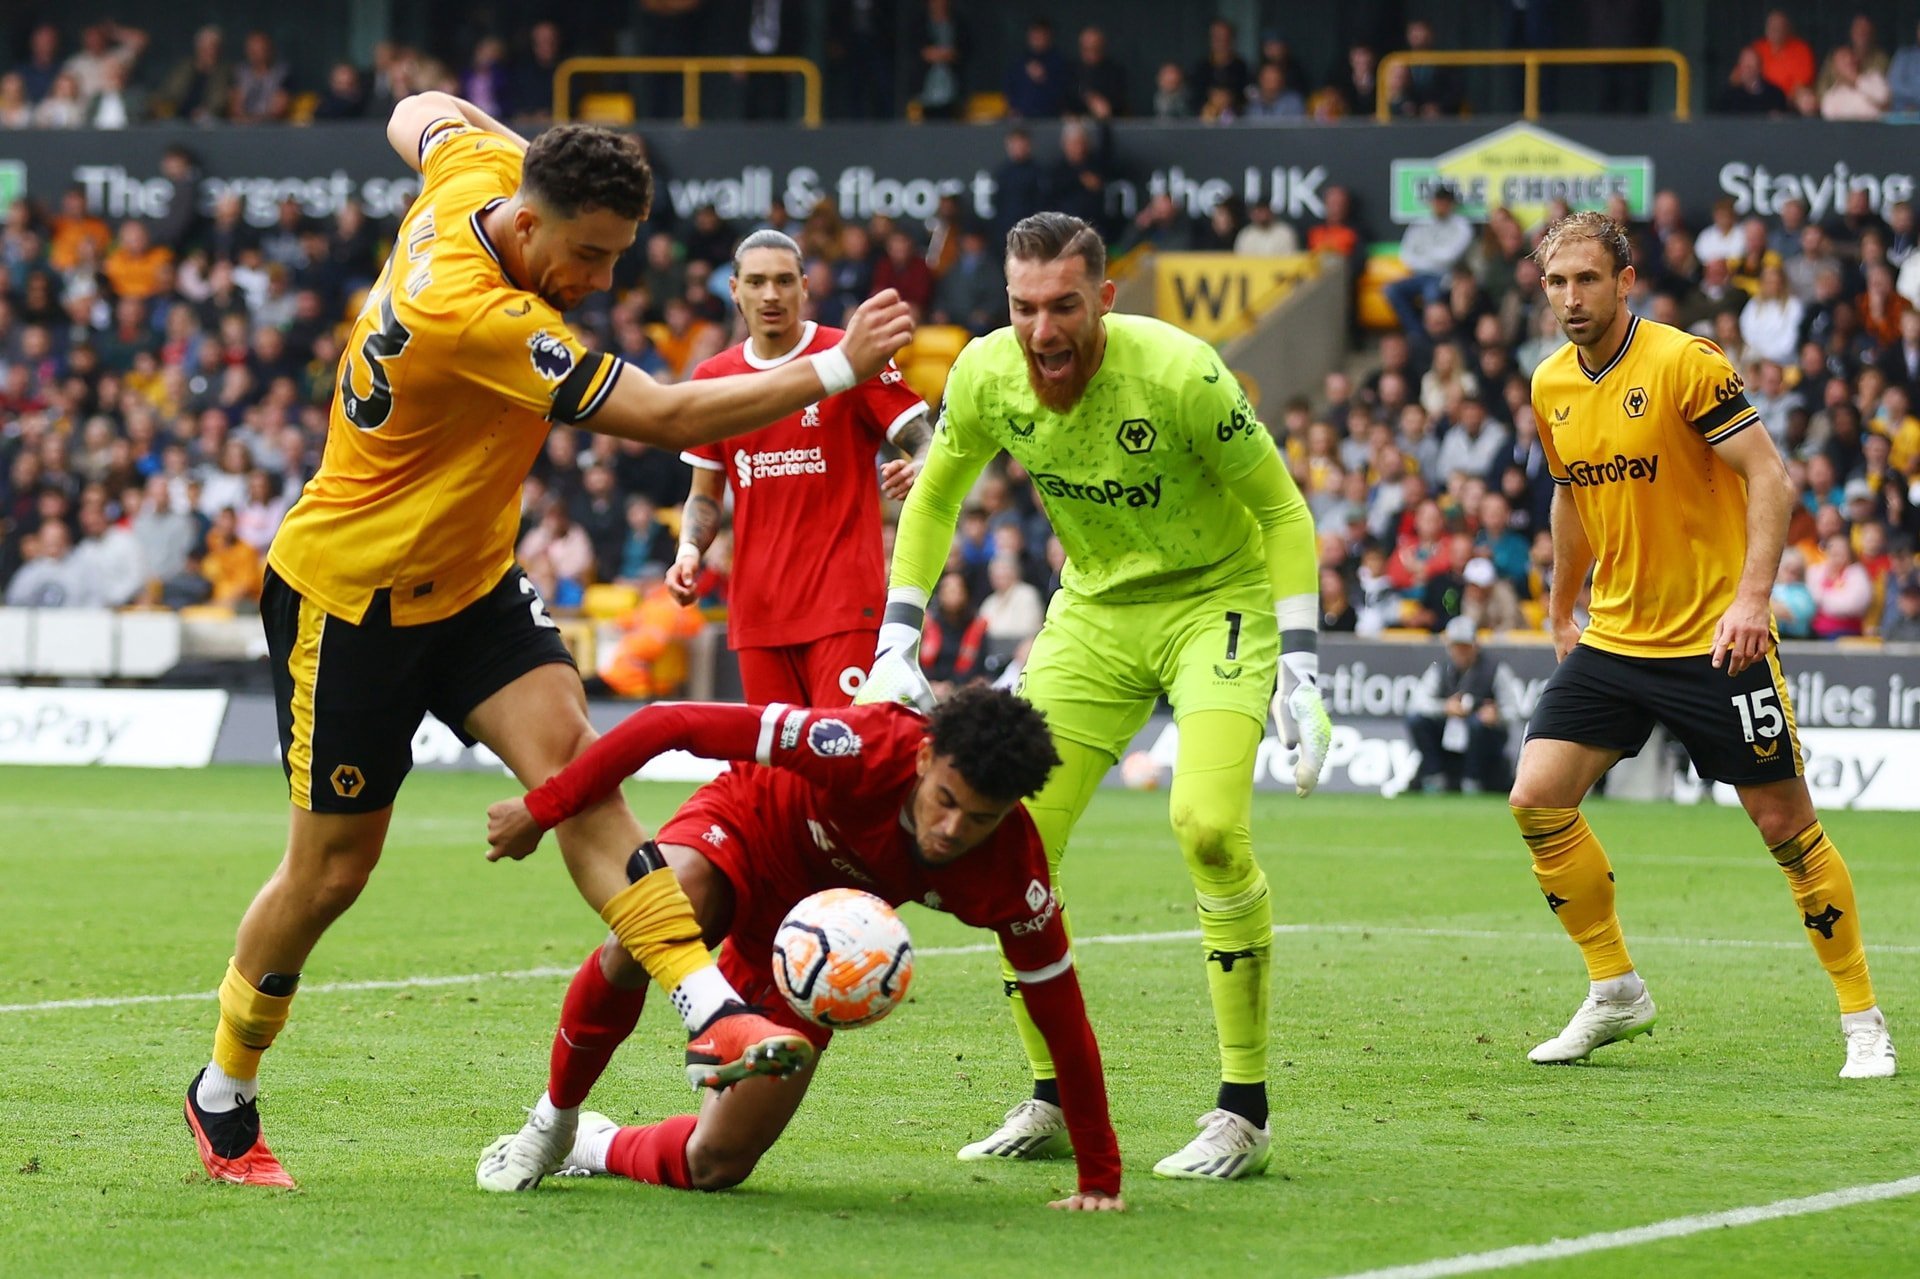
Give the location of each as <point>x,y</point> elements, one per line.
<point>1097,669</point>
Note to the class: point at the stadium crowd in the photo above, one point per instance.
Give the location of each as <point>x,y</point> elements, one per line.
<point>164,390</point>
<point>923,60</point>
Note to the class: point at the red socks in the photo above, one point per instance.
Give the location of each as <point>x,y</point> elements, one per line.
<point>656,1154</point>
<point>595,1019</point>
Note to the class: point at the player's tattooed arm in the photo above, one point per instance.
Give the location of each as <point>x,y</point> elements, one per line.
<point>913,438</point>
<point>699,524</point>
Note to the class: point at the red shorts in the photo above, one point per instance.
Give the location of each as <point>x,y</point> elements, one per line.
<point>825,672</point>
<point>717,822</point>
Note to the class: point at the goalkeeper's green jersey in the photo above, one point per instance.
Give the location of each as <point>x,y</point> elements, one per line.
<point>1134,477</point>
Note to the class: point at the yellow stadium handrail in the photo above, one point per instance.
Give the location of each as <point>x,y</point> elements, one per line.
<point>1533,60</point>
<point>690,69</point>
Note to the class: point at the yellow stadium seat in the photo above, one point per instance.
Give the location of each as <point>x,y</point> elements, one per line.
<point>985,108</point>
<point>605,108</point>
<point>1370,298</point>
<point>605,601</point>
<point>207,613</point>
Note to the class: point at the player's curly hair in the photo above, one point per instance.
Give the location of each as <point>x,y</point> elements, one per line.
<point>1048,237</point>
<point>1000,743</point>
<point>1589,225</point>
<point>575,167</point>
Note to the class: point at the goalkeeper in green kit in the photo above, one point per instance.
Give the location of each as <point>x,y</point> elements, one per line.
<point>1190,572</point>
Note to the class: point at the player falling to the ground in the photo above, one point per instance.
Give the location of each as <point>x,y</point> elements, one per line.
<point>1680,511</point>
<point>1190,572</point>
<point>809,581</point>
<point>392,591</point>
<point>878,798</point>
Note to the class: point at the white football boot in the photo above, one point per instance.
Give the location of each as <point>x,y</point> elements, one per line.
<point>519,1160</point>
<point>1228,1148</point>
<point>1034,1129</point>
<point>1869,1047</point>
<point>588,1158</point>
<point>1598,1023</point>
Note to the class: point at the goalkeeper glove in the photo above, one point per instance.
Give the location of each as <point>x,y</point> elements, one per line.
<point>896,675</point>
<point>1302,718</point>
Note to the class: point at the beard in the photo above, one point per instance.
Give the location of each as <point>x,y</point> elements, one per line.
<point>1061,396</point>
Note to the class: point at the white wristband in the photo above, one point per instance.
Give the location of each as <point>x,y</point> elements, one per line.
<point>834,370</point>
<point>694,547</point>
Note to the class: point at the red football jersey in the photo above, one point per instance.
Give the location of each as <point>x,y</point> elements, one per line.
<point>821,806</point>
<point>806,504</point>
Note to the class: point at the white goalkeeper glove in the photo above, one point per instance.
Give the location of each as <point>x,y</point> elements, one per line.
<point>896,675</point>
<point>1302,718</point>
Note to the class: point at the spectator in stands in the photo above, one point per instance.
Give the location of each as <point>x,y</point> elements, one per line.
<point>530,83</point>
<point>345,97</point>
<point>1038,86</point>
<point>103,47</point>
<point>137,268</point>
<point>1080,179</point>
<point>200,86</point>
<point>972,294</point>
<point>1474,442</point>
<point>233,569</point>
<point>1858,218</point>
<point>1460,717</point>
<point>860,56</point>
<point>1429,250</point>
<point>1842,591</point>
<point>903,269</point>
<point>1903,78</point>
<point>1021,184</point>
<point>117,104</point>
<point>1099,83</point>
<point>487,83</point>
<point>166,535</point>
<point>1012,611</point>
<point>62,107</point>
<point>1749,92</point>
<point>48,577</point>
<point>1880,308</point>
<point>1265,234</point>
<point>1903,626</point>
<point>1721,240</point>
<point>955,634</point>
<point>1273,96</point>
<point>1863,43</point>
<point>940,38</point>
<point>1446,380</point>
<point>1773,399</point>
<point>1793,606</point>
<point>43,61</point>
<point>564,546</point>
<point>646,546</point>
<point>1785,59</point>
<point>1434,91</point>
<point>109,558</point>
<point>1221,69</point>
<point>1354,86</point>
<point>1170,98</point>
<point>16,109</point>
<point>1855,94</point>
<point>1337,232</point>
<point>1770,321</point>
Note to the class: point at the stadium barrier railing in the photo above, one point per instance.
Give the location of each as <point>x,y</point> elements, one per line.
<point>1531,60</point>
<point>690,70</point>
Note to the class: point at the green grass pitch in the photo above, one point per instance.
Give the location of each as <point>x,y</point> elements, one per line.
<point>1408,1126</point>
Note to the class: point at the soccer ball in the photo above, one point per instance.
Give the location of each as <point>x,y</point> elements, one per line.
<point>842,958</point>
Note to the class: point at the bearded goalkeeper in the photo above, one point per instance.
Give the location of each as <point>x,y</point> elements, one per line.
<point>1190,572</point>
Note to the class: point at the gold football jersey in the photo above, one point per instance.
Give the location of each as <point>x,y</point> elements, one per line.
<point>450,381</point>
<point>1667,518</point>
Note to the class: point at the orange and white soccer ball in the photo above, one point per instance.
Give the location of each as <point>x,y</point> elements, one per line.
<point>842,958</point>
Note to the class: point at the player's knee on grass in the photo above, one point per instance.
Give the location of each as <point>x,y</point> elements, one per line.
<point>721,1164</point>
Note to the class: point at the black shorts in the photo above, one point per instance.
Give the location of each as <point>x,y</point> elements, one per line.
<point>350,698</point>
<point>1738,729</point>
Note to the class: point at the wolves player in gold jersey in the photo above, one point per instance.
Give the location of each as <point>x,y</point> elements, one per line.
<point>392,590</point>
<point>1680,509</point>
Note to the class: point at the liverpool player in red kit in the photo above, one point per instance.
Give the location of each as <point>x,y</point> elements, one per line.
<point>809,580</point>
<point>910,808</point>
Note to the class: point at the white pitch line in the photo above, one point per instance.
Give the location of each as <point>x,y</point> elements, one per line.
<point>1673,1228</point>
<point>979,948</point>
